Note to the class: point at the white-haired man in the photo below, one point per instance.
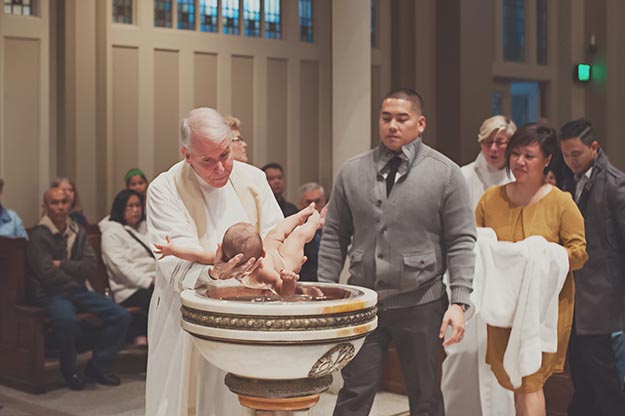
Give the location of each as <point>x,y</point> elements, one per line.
<point>193,203</point>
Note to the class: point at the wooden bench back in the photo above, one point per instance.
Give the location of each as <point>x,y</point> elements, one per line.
<point>12,285</point>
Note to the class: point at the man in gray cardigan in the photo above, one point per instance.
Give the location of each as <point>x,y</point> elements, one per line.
<point>599,191</point>
<point>405,210</point>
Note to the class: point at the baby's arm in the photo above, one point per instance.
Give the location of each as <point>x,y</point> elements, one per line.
<point>282,283</point>
<point>184,253</point>
<point>288,282</point>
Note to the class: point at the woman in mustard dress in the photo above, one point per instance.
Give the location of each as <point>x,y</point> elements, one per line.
<point>528,206</point>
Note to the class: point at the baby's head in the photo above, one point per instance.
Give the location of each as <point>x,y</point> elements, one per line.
<point>242,237</point>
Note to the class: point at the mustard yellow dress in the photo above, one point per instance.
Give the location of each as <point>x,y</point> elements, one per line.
<point>556,218</point>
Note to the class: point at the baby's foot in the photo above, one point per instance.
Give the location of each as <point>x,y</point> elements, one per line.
<point>315,218</point>
<point>303,214</point>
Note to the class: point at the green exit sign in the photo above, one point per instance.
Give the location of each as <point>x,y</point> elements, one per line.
<point>582,72</point>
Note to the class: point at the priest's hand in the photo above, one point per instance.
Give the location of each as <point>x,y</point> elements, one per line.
<point>223,269</point>
<point>454,317</point>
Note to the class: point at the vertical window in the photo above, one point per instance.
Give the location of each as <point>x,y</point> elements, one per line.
<point>514,30</point>
<point>272,19</point>
<point>251,17</point>
<point>208,15</point>
<point>524,101</point>
<point>230,13</point>
<point>186,14</point>
<point>541,32</point>
<point>496,103</point>
<point>122,11</point>
<point>373,10</point>
<point>305,21</point>
<point>23,7</point>
<point>162,13</point>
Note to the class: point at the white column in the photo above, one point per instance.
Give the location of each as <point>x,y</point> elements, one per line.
<point>351,80</point>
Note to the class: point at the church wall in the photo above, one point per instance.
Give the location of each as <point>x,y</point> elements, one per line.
<point>24,110</point>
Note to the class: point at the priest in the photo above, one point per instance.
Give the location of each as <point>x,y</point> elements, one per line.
<point>193,203</point>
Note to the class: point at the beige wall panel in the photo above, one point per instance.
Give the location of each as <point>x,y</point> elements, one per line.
<point>376,101</point>
<point>166,122</point>
<point>242,98</point>
<point>309,122</point>
<point>22,123</point>
<point>125,108</point>
<point>205,79</point>
<point>277,114</point>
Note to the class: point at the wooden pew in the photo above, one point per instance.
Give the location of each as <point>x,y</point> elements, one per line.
<point>24,327</point>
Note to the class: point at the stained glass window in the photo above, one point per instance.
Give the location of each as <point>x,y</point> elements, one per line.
<point>122,11</point>
<point>514,30</point>
<point>373,10</point>
<point>496,103</point>
<point>541,32</point>
<point>230,13</point>
<point>251,17</point>
<point>208,15</point>
<point>162,13</point>
<point>272,19</point>
<point>186,14</point>
<point>23,7</point>
<point>305,21</point>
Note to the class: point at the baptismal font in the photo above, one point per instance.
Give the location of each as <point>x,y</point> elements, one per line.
<point>279,353</point>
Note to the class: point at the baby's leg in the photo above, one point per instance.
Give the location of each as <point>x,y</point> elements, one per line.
<point>285,227</point>
<point>292,250</point>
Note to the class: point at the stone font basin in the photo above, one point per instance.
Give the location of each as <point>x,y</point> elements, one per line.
<point>255,334</point>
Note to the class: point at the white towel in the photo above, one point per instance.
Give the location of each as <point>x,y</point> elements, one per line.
<point>516,286</point>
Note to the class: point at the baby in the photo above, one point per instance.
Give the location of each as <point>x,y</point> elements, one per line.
<point>282,250</point>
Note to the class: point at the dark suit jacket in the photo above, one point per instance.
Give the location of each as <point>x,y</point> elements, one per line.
<point>308,273</point>
<point>600,284</point>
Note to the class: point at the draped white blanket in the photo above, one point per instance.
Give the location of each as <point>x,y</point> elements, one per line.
<point>516,286</point>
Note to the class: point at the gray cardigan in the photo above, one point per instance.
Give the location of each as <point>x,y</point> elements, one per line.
<point>600,284</point>
<point>402,245</point>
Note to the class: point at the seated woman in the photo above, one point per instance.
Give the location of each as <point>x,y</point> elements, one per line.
<point>129,262</point>
<point>10,223</point>
<point>529,206</point>
<point>71,193</point>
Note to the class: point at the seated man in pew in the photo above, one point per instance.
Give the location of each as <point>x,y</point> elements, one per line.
<point>61,260</point>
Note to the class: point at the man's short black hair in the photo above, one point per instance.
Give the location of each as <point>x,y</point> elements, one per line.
<point>272,165</point>
<point>578,128</point>
<point>408,95</point>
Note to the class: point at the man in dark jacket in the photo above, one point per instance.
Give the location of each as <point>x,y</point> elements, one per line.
<point>61,260</point>
<point>599,190</point>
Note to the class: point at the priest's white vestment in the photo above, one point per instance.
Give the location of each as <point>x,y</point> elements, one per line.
<point>469,386</point>
<point>194,214</point>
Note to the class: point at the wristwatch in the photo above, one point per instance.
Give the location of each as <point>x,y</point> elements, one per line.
<point>464,306</point>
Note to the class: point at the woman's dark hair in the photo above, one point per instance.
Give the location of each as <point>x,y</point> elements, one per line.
<point>531,133</point>
<point>119,205</point>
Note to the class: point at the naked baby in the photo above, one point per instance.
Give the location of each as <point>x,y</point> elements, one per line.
<point>282,250</point>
